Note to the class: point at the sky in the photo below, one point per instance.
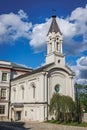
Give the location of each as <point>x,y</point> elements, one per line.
<point>24,25</point>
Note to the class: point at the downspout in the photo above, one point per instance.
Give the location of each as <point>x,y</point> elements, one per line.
<point>47,93</point>
<point>9,102</point>
<point>44,91</point>
<point>9,99</point>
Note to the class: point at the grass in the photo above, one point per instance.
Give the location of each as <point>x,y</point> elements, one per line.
<point>82,124</point>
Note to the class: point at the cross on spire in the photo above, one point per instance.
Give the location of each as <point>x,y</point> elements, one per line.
<point>54,26</point>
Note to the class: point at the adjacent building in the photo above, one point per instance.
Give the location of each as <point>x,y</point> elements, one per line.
<point>8,71</point>
<point>31,92</point>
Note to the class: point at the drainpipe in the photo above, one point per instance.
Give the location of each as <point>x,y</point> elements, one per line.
<point>47,93</point>
<point>45,73</point>
<point>9,101</point>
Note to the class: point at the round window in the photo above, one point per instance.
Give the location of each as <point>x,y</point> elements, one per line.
<point>57,88</point>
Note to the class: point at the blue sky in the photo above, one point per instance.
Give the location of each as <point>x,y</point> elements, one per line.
<point>25,23</point>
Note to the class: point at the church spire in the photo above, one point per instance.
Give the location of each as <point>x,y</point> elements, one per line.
<point>54,43</point>
<point>54,26</point>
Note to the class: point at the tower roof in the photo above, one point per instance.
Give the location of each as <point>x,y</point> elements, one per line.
<point>54,26</point>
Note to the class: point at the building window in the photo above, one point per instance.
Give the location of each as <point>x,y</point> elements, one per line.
<point>3,93</point>
<point>4,76</point>
<point>22,87</point>
<point>2,109</point>
<point>57,88</point>
<point>57,38</point>
<point>14,91</point>
<point>25,113</point>
<point>50,47</point>
<point>57,46</point>
<point>33,91</point>
<point>58,61</point>
<point>22,91</point>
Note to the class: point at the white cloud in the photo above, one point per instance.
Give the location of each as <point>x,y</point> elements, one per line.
<point>22,14</point>
<point>14,26</point>
<point>80,70</point>
<point>73,27</point>
<point>38,36</point>
<point>39,32</point>
<point>78,14</point>
<point>67,28</point>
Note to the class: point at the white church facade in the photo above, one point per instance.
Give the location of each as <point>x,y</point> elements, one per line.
<point>31,92</point>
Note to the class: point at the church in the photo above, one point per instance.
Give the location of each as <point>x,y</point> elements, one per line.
<point>31,92</point>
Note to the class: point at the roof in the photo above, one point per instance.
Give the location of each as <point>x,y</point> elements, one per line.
<point>19,66</point>
<point>40,69</point>
<point>54,26</point>
<point>73,73</point>
<point>14,66</point>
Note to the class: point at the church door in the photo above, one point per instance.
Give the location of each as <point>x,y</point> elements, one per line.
<point>18,115</point>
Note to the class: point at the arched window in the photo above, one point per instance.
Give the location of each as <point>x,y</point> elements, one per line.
<point>33,89</point>
<point>50,47</point>
<point>22,88</point>
<point>14,91</point>
<point>57,46</point>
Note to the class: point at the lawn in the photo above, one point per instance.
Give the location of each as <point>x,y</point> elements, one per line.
<point>82,124</point>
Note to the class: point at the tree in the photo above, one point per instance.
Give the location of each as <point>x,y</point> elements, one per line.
<point>82,95</point>
<point>79,99</point>
<point>63,107</point>
<point>67,108</point>
<point>54,108</point>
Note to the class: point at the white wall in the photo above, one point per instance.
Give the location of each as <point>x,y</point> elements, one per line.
<point>28,90</point>
<point>34,112</point>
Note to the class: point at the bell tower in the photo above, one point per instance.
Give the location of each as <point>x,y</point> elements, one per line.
<point>54,44</point>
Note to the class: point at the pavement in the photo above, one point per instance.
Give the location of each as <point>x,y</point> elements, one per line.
<point>36,126</point>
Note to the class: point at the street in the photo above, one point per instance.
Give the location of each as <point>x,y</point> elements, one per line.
<point>36,126</point>
<point>12,126</point>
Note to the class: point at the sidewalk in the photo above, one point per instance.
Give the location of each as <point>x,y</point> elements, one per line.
<point>48,126</point>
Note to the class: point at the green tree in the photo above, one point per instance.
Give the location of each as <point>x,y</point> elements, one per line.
<point>67,108</point>
<point>62,107</point>
<point>79,98</point>
<point>82,95</point>
<point>54,108</point>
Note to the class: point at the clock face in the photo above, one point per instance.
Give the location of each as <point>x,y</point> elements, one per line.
<point>57,88</point>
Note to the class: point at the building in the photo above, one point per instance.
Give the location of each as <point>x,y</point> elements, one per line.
<point>8,71</point>
<point>31,93</point>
